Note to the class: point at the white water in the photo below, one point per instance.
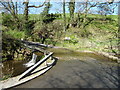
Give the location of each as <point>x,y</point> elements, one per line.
<point>32,61</point>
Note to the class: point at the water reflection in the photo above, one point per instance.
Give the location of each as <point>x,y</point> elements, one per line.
<point>66,54</point>
<point>14,67</point>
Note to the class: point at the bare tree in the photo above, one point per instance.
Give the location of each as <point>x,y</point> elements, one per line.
<point>106,8</point>
<point>27,6</point>
<point>26,12</point>
<point>84,8</point>
<point>11,8</point>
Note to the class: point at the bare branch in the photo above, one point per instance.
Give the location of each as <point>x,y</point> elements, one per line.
<point>13,7</point>
<point>7,8</point>
<point>16,10</point>
<point>39,5</point>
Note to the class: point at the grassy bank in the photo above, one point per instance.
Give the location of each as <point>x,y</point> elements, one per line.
<point>101,35</point>
<point>98,35</point>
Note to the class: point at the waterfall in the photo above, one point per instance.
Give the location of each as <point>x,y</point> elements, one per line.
<point>32,61</point>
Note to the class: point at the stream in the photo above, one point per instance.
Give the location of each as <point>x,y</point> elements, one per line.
<point>12,68</point>
<point>16,67</point>
<point>75,69</point>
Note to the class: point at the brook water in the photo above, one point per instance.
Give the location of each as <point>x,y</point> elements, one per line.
<point>16,67</point>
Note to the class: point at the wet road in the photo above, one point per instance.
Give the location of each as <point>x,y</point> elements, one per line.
<point>76,70</point>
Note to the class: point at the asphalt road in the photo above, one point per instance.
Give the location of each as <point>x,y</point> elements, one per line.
<point>78,74</point>
<point>78,70</point>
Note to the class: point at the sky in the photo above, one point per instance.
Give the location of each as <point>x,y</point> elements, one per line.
<point>62,0</point>
<point>56,7</point>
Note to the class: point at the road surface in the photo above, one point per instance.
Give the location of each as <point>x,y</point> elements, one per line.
<point>78,71</point>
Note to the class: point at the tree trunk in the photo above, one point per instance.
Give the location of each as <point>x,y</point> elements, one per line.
<point>43,40</point>
<point>85,14</point>
<point>71,9</point>
<point>26,11</point>
<point>16,10</point>
<point>64,15</point>
<point>78,21</point>
<point>26,17</point>
<point>119,29</point>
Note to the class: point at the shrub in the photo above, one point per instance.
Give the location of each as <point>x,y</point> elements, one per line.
<point>16,34</point>
<point>47,32</point>
<point>58,28</point>
<point>7,20</point>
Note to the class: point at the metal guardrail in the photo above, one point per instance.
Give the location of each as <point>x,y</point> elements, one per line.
<point>35,43</point>
<point>36,65</point>
<point>35,46</point>
<point>35,70</point>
